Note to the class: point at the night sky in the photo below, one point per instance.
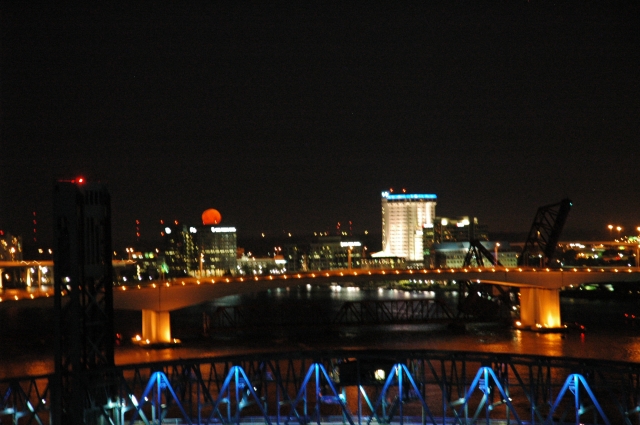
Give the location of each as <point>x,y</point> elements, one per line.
<point>291,119</point>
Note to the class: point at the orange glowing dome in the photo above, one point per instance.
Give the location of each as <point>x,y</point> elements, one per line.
<point>211,217</point>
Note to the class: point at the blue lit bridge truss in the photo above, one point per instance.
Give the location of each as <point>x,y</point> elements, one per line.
<point>350,387</point>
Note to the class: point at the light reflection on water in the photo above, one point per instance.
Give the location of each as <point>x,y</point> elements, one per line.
<point>606,337</point>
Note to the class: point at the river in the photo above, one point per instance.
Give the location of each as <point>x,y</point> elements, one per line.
<point>27,330</point>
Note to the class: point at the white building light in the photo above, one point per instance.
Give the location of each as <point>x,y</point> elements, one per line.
<point>223,229</point>
<point>403,218</point>
<point>350,244</point>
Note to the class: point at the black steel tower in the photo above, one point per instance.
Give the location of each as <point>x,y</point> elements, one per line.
<point>545,234</point>
<point>83,301</point>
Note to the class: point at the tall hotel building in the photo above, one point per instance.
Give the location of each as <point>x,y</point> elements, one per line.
<point>404,218</point>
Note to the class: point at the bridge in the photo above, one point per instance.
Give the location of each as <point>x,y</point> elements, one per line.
<point>348,386</point>
<point>539,290</point>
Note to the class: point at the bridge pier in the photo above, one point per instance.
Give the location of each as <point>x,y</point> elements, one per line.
<point>540,308</point>
<point>156,327</point>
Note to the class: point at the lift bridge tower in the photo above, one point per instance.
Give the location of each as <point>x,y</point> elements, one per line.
<point>84,354</point>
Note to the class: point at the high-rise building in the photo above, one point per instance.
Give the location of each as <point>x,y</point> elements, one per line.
<point>404,218</point>
<point>200,250</point>
<point>180,251</point>
<point>218,250</point>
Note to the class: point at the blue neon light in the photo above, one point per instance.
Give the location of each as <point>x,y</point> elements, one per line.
<point>409,196</point>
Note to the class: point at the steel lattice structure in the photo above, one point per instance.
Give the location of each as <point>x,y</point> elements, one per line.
<point>368,312</point>
<point>354,387</point>
<point>545,232</point>
<point>84,277</point>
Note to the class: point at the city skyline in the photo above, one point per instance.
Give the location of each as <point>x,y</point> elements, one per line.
<point>293,119</point>
<point>156,232</point>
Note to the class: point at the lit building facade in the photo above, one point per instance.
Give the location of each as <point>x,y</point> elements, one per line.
<point>335,253</point>
<point>252,266</point>
<point>461,229</point>
<point>404,219</point>
<point>296,257</point>
<point>451,255</point>
<point>217,248</point>
<point>200,250</point>
<point>179,251</point>
<point>10,247</point>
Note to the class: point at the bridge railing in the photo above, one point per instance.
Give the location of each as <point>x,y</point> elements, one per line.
<point>352,387</point>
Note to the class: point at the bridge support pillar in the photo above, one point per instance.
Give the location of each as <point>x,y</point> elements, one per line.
<point>540,308</point>
<point>156,327</point>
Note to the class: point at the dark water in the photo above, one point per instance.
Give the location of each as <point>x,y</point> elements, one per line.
<point>297,319</point>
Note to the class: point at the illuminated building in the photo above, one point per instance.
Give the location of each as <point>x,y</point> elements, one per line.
<point>296,257</point>
<point>334,253</point>
<point>10,247</point>
<point>252,266</point>
<point>404,218</point>
<point>325,253</point>
<point>10,250</point>
<point>461,229</point>
<point>179,251</point>
<point>143,265</point>
<point>200,250</point>
<point>217,250</point>
<point>384,263</point>
<point>451,255</point>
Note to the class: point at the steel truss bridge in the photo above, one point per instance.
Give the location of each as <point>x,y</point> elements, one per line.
<point>347,387</point>
<point>368,312</point>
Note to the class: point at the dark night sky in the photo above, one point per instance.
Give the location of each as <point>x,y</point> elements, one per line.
<point>294,119</point>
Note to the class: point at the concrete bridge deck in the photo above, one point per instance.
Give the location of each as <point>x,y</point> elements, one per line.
<point>184,292</point>
<point>539,290</point>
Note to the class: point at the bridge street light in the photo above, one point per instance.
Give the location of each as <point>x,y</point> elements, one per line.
<point>618,229</point>
<point>610,229</point>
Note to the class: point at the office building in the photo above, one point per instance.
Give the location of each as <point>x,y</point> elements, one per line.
<point>217,249</point>
<point>252,266</point>
<point>180,251</point>
<point>200,251</point>
<point>297,257</point>
<point>335,253</point>
<point>451,255</point>
<point>10,247</point>
<point>461,229</point>
<point>404,218</point>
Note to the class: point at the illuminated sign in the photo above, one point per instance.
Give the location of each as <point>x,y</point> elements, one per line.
<point>223,229</point>
<point>408,196</point>
<point>350,244</point>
